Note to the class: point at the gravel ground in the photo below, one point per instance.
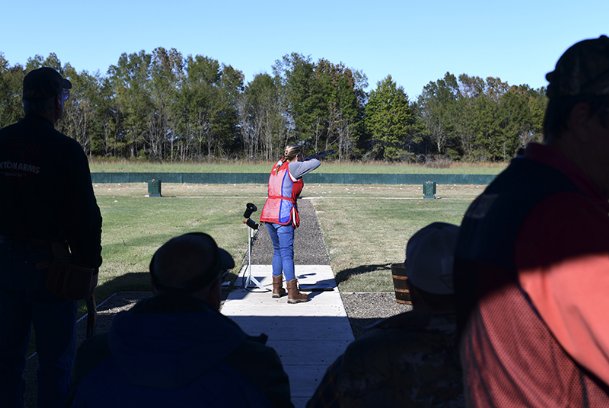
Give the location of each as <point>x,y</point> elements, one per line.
<point>366,309</point>
<point>309,245</point>
<point>363,309</point>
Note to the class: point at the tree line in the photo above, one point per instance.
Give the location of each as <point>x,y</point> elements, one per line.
<point>168,107</point>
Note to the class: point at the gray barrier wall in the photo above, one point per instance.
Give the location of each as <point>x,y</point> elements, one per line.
<point>257,178</point>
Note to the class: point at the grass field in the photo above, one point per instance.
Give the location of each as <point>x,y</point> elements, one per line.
<point>264,167</point>
<point>135,226</point>
<point>365,227</point>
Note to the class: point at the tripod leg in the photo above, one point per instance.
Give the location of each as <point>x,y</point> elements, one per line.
<point>247,274</point>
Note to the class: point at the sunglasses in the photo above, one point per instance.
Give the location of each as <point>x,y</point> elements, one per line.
<point>65,95</point>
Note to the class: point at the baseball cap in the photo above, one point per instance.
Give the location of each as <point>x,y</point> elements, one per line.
<point>583,70</point>
<point>44,83</point>
<point>194,255</point>
<point>429,258</point>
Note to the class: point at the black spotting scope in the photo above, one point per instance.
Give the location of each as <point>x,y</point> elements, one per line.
<point>249,209</point>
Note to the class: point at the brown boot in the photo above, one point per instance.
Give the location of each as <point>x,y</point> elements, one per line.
<point>278,290</point>
<point>294,295</point>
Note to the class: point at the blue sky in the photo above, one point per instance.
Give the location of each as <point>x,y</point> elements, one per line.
<point>414,41</point>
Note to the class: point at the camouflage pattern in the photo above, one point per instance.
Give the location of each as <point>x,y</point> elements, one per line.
<point>408,360</point>
<point>583,70</point>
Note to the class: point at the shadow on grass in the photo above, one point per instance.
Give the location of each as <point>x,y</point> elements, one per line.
<point>140,282</point>
<point>129,282</point>
<point>345,274</point>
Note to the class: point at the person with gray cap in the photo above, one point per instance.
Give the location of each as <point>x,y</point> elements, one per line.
<point>532,260</point>
<point>176,349</point>
<point>47,208</point>
<point>409,359</point>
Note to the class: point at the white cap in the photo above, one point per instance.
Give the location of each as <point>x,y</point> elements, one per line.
<point>429,258</point>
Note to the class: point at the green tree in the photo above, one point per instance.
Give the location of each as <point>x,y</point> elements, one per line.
<point>129,79</point>
<point>208,107</point>
<point>261,122</point>
<point>195,106</point>
<point>438,111</point>
<point>226,111</point>
<point>521,112</point>
<point>305,108</point>
<point>340,92</point>
<point>389,120</point>
<point>11,79</point>
<point>81,119</point>
<point>163,106</point>
<point>166,74</point>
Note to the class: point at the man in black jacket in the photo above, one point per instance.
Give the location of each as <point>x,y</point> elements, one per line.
<point>46,202</point>
<point>176,349</point>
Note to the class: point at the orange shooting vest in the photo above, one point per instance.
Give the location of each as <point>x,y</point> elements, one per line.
<point>280,206</point>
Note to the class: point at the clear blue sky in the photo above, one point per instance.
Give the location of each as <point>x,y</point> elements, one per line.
<point>414,41</point>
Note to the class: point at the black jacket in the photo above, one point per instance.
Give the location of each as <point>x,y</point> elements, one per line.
<point>178,351</point>
<point>45,189</point>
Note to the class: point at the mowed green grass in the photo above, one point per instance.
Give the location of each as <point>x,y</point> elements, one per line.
<point>365,227</point>
<point>135,226</point>
<point>328,166</point>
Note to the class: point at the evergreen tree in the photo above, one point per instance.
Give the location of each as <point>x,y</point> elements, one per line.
<point>389,120</point>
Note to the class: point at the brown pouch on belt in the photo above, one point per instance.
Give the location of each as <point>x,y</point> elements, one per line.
<point>67,280</point>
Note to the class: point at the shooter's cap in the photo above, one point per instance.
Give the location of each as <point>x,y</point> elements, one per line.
<point>43,83</point>
<point>188,263</point>
<point>429,258</point>
<point>583,70</point>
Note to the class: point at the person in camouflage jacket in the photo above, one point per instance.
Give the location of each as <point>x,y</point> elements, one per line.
<point>410,359</point>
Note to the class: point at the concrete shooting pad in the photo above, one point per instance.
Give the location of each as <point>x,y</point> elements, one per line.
<point>307,336</point>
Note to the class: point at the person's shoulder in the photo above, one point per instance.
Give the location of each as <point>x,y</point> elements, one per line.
<point>9,128</point>
<point>410,321</point>
<point>406,331</point>
<point>403,320</point>
<point>68,141</point>
<point>562,225</point>
<point>12,130</point>
<point>416,320</point>
<point>70,149</point>
<point>585,213</point>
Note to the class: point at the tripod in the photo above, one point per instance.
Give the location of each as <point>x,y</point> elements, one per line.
<point>248,279</point>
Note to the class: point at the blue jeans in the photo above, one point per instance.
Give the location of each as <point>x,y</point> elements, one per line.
<point>282,237</point>
<point>24,303</point>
